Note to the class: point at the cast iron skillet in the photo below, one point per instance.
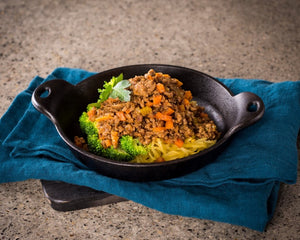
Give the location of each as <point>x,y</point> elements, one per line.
<point>65,102</point>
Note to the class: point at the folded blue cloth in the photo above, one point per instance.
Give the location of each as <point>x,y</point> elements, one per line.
<point>240,187</point>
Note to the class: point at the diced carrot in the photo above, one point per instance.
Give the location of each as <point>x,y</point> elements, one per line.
<point>160,87</point>
<point>169,125</point>
<point>157,99</point>
<point>149,104</point>
<point>114,138</point>
<point>178,142</point>
<point>169,111</point>
<point>121,116</point>
<point>186,102</point>
<point>158,115</point>
<point>158,74</point>
<point>159,159</point>
<point>163,117</point>
<point>103,118</point>
<point>107,143</point>
<point>188,95</point>
<point>159,129</point>
<point>92,113</point>
<point>179,84</point>
<point>128,110</point>
<point>150,77</point>
<point>166,75</point>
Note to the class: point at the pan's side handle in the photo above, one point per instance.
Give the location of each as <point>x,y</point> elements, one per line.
<point>47,97</point>
<point>250,108</point>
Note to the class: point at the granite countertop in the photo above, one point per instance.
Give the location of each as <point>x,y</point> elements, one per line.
<point>227,39</point>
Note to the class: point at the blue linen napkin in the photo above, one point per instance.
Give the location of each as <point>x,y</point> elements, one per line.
<point>240,187</point>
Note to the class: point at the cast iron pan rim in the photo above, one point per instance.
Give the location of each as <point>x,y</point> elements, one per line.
<point>147,165</point>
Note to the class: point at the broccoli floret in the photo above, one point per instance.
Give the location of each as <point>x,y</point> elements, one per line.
<point>91,105</point>
<point>94,143</point>
<point>132,146</point>
<point>95,146</point>
<point>117,154</point>
<point>87,126</point>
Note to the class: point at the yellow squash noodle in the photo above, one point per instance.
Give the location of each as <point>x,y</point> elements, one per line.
<point>168,152</point>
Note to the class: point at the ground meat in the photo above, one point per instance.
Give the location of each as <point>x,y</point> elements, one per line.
<point>159,108</point>
<point>80,142</point>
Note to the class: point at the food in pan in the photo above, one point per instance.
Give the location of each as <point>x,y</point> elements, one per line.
<point>148,118</point>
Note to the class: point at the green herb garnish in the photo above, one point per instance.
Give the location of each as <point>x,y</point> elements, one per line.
<point>115,88</point>
<point>120,91</point>
<point>108,88</point>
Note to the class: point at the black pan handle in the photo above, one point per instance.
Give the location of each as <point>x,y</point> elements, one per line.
<point>250,108</point>
<point>48,95</point>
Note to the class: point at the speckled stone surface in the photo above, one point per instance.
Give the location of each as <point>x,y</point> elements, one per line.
<point>245,39</point>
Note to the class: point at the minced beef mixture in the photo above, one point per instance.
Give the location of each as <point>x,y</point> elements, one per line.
<point>158,108</point>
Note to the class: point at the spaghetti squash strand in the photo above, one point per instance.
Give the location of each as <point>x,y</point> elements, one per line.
<point>167,151</point>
